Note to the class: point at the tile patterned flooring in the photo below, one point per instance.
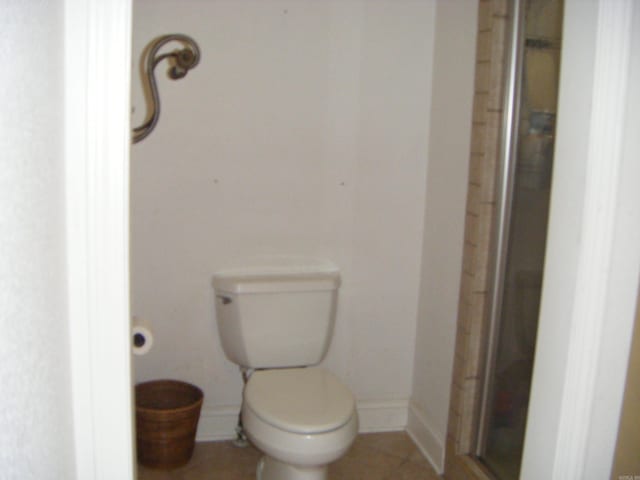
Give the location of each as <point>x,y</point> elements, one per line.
<point>373,456</point>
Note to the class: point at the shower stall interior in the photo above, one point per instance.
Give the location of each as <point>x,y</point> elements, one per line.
<point>524,182</point>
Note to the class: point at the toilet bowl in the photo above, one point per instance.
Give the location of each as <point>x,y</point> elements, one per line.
<point>302,419</point>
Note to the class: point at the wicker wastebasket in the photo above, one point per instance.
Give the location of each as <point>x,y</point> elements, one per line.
<point>167,413</point>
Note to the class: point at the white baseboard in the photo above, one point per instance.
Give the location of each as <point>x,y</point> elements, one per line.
<point>219,423</point>
<point>382,415</point>
<point>430,444</point>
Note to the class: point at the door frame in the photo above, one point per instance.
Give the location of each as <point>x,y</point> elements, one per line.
<point>603,278</point>
<point>593,260</point>
<point>97,71</point>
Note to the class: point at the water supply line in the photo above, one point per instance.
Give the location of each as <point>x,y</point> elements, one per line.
<point>241,439</point>
<point>181,61</point>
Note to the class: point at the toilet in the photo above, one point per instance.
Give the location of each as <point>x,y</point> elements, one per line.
<point>276,321</point>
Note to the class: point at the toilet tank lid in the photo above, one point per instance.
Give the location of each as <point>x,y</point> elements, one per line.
<point>278,274</point>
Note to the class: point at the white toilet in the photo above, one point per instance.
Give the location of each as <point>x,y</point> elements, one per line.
<point>278,319</point>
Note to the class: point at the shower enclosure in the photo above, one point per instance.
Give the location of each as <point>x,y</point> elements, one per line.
<point>521,226</point>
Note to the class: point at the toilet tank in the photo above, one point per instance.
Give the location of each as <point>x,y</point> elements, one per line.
<point>276,315</point>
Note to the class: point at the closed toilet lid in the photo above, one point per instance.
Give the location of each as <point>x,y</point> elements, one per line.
<point>299,400</point>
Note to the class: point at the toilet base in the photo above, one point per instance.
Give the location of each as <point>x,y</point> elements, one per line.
<point>271,469</point>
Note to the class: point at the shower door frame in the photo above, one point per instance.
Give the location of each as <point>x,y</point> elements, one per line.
<point>506,179</point>
<point>592,263</point>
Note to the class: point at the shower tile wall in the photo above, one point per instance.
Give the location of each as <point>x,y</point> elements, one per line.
<point>472,317</point>
<point>524,277</point>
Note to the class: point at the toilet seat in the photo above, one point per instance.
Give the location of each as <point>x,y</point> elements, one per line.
<point>299,400</point>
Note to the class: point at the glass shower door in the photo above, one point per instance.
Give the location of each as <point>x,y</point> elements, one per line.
<point>522,232</point>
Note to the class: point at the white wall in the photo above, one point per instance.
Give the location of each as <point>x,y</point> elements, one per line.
<point>444,217</point>
<point>303,130</point>
<point>35,418</point>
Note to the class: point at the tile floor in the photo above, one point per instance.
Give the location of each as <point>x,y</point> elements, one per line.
<point>373,456</point>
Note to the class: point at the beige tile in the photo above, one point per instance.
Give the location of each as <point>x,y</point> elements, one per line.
<point>455,471</point>
<point>471,228</point>
<point>483,46</point>
<point>374,456</point>
<point>499,8</point>
<point>473,208</point>
<point>468,257</point>
<point>478,138</point>
<point>458,371</point>
<point>476,167</point>
<point>491,147</point>
<point>361,464</point>
<point>483,77</point>
<point>211,461</point>
<point>480,102</point>
<point>466,426</point>
<point>465,295</point>
<point>463,313</point>
<point>498,64</point>
<point>412,471</point>
<point>454,420</point>
<point>456,399</point>
<point>398,444</point>
<point>484,16</point>
<point>382,456</point>
<point>474,195</point>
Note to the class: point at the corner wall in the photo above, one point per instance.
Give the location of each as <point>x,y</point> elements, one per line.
<point>446,191</point>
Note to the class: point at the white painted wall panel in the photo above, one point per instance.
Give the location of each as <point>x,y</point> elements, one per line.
<point>36,439</point>
<point>302,131</point>
<point>446,187</point>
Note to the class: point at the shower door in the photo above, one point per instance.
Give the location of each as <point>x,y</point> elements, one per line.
<point>526,169</point>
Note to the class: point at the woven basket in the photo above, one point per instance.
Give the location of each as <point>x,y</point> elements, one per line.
<point>167,414</point>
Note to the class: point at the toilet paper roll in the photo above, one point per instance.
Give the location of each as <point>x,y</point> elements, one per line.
<point>141,339</point>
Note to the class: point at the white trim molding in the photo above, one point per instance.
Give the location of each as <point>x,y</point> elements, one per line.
<point>593,260</point>
<point>382,415</point>
<point>425,437</point>
<point>97,141</point>
<point>595,275</point>
<point>219,423</point>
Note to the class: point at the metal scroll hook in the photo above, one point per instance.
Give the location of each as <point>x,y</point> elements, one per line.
<point>180,61</point>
